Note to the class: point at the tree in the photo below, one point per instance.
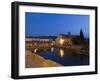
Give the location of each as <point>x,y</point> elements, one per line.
<point>81,35</point>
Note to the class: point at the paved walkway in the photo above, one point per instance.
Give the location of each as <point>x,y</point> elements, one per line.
<point>33,60</point>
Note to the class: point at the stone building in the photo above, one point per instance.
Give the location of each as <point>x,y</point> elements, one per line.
<point>38,42</point>
<point>63,41</point>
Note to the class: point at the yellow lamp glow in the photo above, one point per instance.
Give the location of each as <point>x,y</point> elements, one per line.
<point>35,50</point>
<point>61,41</point>
<point>52,49</point>
<point>61,52</point>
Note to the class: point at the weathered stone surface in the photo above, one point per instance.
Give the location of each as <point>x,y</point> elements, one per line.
<point>34,60</point>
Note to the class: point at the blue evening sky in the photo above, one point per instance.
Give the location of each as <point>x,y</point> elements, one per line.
<point>47,24</point>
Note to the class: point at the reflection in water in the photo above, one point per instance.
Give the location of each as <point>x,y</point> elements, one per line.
<point>62,56</point>
<point>35,50</point>
<point>61,52</point>
<point>52,49</point>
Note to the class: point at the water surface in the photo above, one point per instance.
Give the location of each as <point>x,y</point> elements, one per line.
<point>64,57</point>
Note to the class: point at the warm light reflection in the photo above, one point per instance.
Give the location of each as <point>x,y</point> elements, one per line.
<point>52,49</point>
<point>35,50</point>
<point>61,52</point>
<point>52,43</point>
<point>61,41</point>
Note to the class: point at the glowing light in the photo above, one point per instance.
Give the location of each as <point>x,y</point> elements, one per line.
<point>35,50</point>
<point>52,49</point>
<point>61,41</point>
<point>61,53</point>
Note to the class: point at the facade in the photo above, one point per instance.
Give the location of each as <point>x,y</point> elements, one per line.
<point>38,39</point>
<point>38,42</point>
<point>63,41</point>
